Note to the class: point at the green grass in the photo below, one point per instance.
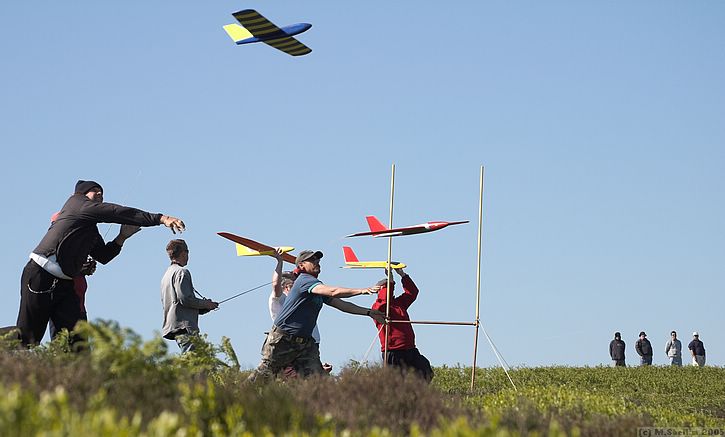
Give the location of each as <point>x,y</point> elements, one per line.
<point>122,385</point>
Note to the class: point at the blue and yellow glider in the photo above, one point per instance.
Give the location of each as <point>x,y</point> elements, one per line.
<point>255,28</point>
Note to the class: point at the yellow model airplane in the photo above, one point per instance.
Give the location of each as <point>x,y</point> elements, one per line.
<point>253,27</point>
<point>247,247</point>
<point>351,262</point>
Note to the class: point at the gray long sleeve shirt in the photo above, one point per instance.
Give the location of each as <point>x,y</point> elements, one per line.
<point>181,308</point>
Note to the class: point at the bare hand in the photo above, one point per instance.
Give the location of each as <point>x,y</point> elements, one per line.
<point>211,305</point>
<point>173,223</point>
<point>327,367</point>
<point>378,316</point>
<point>278,253</point>
<point>89,267</point>
<point>400,272</point>
<point>128,230</point>
<point>371,290</point>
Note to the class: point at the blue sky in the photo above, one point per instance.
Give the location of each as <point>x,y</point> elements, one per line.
<point>600,125</point>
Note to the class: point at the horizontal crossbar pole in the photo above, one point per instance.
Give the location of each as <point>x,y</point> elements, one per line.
<point>431,322</point>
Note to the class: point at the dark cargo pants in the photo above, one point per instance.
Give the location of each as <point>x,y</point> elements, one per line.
<point>281,350</point>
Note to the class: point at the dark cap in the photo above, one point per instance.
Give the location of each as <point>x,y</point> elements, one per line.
<point>82,187</point>
<point>384,283</point>
<point>642,333</point>
<point>307,255</point>
<point>617,335</point>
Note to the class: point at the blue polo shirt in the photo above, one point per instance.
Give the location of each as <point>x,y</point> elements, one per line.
<point>301,307</point>
<point>697,346</point>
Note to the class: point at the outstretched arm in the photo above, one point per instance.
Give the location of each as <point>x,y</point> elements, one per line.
<point>333,291</point>
<point>351,308</point>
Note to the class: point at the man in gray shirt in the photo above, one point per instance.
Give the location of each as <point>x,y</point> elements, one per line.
<point>181,307</point>
<point>673,349</point>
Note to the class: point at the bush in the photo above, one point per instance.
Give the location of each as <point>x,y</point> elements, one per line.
<point>120,385</point>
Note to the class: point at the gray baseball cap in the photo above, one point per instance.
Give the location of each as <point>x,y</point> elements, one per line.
<point>307,255</point>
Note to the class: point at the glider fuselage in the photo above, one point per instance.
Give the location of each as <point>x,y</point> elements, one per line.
<point>410,230</point>
<point>291,30</point>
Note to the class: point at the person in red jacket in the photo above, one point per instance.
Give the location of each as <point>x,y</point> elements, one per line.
<point>401,338</point>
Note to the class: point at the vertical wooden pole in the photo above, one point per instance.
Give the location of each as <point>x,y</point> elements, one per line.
<point>478,279</point>
<point>390,273</point>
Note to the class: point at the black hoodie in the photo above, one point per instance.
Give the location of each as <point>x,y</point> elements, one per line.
<point>74,234</point>
<point>616,349</point>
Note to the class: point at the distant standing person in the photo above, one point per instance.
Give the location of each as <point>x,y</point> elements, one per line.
<point>673,349</point>
<point>402,352</point>
<point>616,350</point>
<point>181,307</point>
<point>47,291</point>
<point>697,349</point>
<point>644,350</point>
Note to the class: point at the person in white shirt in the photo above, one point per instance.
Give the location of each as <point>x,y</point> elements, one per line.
<point>673,349</point>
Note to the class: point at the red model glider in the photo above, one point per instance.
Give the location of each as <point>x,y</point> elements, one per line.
<point>378,229</point>
<point>257,248</point>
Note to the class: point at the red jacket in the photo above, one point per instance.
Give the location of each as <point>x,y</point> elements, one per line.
<point>400,335</point>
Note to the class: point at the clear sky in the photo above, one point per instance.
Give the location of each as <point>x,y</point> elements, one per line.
<point>600,124</point>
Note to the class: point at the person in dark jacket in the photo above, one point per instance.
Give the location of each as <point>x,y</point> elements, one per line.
<point>697,350</point>
<point>616,350</point>
<point>46,286</point>
<point>644,350</point>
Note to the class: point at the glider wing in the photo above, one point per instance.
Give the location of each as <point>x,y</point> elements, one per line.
<point>254,22</point>
<point>289,45</point>
<point>256,246</point>
<point>246,251</point>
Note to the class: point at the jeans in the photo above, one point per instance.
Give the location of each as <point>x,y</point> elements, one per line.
<point>185,343</point>
<point>645,360</point>
<point>676,361</point>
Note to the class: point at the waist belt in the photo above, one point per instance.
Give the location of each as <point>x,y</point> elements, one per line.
<point>50,265</point>
<point>290,337</point>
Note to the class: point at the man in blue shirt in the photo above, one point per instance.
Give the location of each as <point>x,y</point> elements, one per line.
<point>697,350</point>
<point>290,341</point>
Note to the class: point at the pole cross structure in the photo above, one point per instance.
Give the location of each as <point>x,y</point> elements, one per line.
<point>476,323</point>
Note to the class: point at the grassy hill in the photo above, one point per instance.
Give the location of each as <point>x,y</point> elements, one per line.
<point>122,385</point>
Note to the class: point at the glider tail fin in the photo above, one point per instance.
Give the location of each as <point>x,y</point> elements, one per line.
<point>237,33</point>
<point>350,256</point>
<point>375,224</point>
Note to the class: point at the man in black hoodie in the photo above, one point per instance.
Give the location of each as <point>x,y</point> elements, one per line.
<point>46,286</point>
<point>644,349</point>
<point>616,350</point>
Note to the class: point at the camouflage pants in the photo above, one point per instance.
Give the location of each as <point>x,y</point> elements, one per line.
<point>281,350</point>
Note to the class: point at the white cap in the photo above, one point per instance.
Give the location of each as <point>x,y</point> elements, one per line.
<point>695,334</point>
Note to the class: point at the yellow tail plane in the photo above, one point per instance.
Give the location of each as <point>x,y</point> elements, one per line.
<point>237,32</point>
